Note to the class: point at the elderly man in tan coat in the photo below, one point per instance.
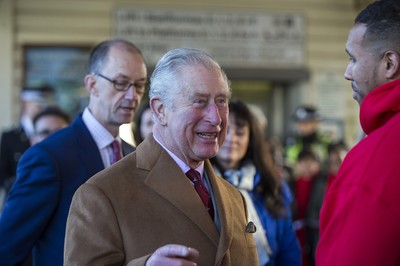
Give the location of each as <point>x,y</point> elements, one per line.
<point>144,210</point>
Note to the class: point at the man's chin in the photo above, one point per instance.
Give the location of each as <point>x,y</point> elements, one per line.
<point>126,118</point>
<point>206,155</point>
<point>357,98</point>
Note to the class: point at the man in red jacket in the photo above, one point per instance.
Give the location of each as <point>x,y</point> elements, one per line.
<point>360,217</point>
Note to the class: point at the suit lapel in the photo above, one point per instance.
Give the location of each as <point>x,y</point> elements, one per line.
<point>126,148</point>
<point>88,150</point>
<point>225,212</point>
<point>168,180</point>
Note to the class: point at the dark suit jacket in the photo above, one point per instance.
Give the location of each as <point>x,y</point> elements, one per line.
<point>48,174</point>
<point>144,201</point>
<point>14,143</point>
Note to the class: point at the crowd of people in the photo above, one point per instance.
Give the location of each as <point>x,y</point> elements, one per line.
<point>204,183</point>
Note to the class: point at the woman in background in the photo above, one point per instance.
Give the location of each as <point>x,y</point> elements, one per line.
<point>143,123</point>
<point>246,162</point>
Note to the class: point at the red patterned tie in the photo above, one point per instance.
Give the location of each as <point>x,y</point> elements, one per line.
<point>116,148</point>
<point>194,176</point>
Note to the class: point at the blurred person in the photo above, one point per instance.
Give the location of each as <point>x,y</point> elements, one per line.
<point>310,189</point>
<point>306,155</point>
<point>15,141</point>
<point>48,121</point>
<point>143,123</point>
<point>245,161</point>
<point>360,215</point>
<point>144,210</point>
<point>323,180</point>
<point>48,174</point>
<point>278,155</point>
<point>307,137</point>
<point>303,185</point>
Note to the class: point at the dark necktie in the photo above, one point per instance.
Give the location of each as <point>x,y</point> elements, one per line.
<point>194,176</point>
<point>116,154</point>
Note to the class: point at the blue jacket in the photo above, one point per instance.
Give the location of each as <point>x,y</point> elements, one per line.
<point>280,234</point>
<point>36,210</point>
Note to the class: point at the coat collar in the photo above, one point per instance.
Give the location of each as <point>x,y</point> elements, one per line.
<point>88,150</point>
<point>167,179</point>
<point>225,211</point>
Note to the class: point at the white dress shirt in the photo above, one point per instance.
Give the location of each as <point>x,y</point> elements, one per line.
<point>101,136</point>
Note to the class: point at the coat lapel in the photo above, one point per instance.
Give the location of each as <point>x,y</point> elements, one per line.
<point>225,212</point>
<point>88,150</point>
<point>126,148</point>
<point>168,180</point>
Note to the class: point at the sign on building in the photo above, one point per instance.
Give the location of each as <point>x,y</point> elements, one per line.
<point>234,39</point>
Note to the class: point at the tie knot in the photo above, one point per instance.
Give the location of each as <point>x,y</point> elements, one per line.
<point>193,175</point>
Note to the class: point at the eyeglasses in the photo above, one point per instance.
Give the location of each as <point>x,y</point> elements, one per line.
<point>124,85</point>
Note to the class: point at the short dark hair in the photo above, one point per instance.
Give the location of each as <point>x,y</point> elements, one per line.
<point>382,20</point>
<point>53,111</point>
<point>99,53</point>
<point>307,154</point>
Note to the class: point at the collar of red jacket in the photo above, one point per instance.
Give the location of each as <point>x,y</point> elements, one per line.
<point>381,104</point>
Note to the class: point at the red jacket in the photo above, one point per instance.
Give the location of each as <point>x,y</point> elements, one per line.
<point>360,217</point>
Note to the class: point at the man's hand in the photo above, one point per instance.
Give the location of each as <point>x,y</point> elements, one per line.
<point>173,255</point>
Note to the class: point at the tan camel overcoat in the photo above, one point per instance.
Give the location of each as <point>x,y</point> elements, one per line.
<point>124,213</point>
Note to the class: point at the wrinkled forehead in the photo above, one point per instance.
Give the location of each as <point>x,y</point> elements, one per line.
<point>210,79</point>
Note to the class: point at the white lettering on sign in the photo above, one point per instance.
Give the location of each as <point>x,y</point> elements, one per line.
<point>233,39</point>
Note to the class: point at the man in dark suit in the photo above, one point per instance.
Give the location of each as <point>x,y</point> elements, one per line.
<point>15,141</point>
<point>49,172</point>
<point>144,210</point>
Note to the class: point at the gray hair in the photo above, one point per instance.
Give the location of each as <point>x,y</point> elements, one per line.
<point>165,82</point>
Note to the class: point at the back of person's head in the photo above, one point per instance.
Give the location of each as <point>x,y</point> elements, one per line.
<point>165,82</point>
<point>382,19</point>
<point>99,54</point>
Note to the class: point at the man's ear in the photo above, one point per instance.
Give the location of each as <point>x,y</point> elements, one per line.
<point>392,60</point>
<point>158,108</point>
<point>90,84</point>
